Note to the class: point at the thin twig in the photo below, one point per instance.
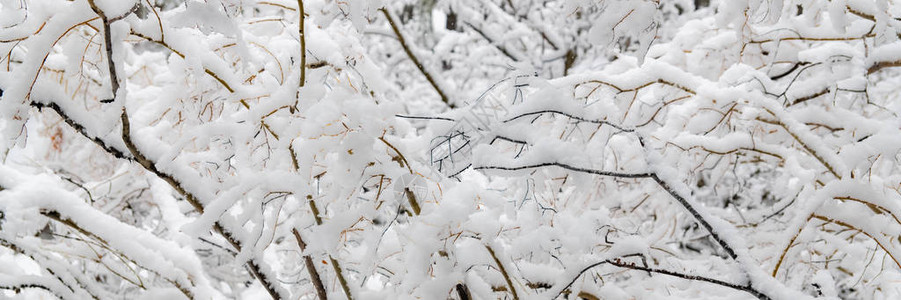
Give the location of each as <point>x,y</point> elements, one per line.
<point>568,167</point>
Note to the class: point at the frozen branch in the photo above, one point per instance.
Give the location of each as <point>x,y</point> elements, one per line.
<point>303,44</point>
<point>253,265</point>
<point>81,130</point>
<point>419,65</point>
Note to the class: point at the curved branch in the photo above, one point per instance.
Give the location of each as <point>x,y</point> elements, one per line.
<point>619,263</point>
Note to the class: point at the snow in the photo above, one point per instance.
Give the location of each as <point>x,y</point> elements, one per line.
<point>115,8</point>
<point>754,144</point>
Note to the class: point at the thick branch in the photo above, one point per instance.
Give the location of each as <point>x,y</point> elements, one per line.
<point>303,45</point>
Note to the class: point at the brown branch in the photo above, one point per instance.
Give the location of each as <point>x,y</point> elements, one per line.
<point>882,65</point>
<point>341,279</point>
<point>788,247</point>
<point>411,198</point>
<point>745,288</point>
<point>401,155</point>
<point>568,167</point>
<point>419,65</point>
<point>876,208</point>
<point>808,97</point>
<point>311,268</point>
<point>18,288</point>
<point>844,224</point>
<point>503,270</point>
<point>303,45</point>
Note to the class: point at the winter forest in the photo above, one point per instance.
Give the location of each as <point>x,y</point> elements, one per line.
<point>450,149</point>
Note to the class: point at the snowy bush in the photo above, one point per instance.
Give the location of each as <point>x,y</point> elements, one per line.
<point>450,149</point>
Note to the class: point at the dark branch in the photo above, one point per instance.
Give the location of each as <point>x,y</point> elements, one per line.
<point>425,118</point>
<point>81,130</point>
<point>18,287</point>
<point>620,128</point>
<point>622,264</point>
<point>571,168</point>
